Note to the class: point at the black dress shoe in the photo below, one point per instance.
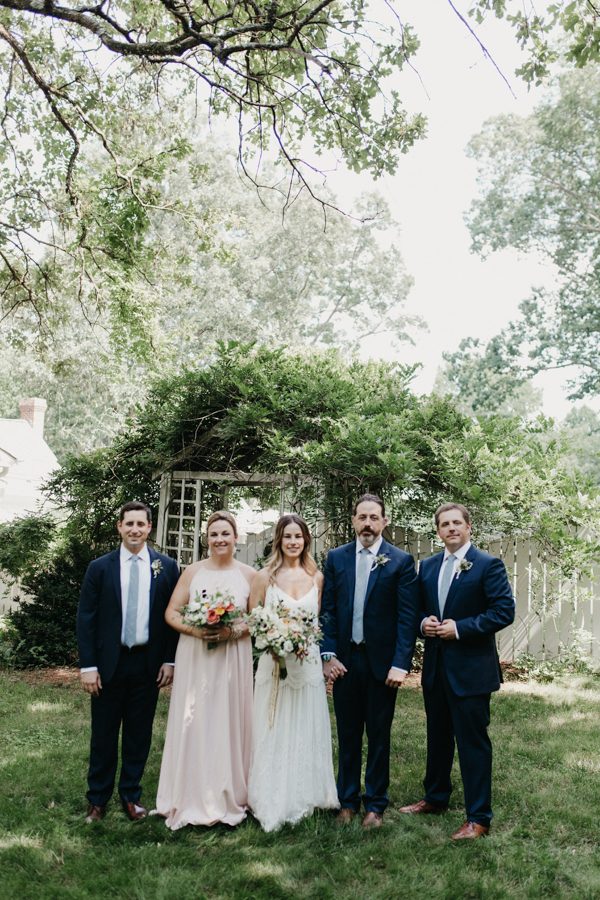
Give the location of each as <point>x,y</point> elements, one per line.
<point>94,813</point>
<point>134,811</point>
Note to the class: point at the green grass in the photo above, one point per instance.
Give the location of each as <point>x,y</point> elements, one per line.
<point>544,840</point>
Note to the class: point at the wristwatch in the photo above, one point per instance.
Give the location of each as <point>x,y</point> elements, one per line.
<point>327,656</point>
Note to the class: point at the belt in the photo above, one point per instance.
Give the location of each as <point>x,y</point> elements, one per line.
<point>137,648</point>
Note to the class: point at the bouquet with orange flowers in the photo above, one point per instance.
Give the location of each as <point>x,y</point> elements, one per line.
<point>210,610</point>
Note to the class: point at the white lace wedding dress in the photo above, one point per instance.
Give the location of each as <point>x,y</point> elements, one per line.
<point>291,773</point>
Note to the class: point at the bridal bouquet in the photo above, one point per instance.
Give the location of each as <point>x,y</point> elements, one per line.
<point>206,610</point>
<point>279,630</point>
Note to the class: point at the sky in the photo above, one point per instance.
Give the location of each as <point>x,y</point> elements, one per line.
<point>458,89</point>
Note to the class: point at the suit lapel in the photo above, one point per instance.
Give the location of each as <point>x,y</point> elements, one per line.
<point>433,581</point>
<point>350,563</point>
<point>115,572</point>
<point>470,555</point>
<point>375,570</point>
<point>153,579</point>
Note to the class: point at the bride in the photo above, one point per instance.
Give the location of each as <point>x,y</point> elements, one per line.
<point>291,773</point>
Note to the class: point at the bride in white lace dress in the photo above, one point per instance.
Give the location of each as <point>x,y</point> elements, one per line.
<point>291,773</point>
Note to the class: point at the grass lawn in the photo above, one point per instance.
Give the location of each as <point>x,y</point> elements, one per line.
<point>544,841</point>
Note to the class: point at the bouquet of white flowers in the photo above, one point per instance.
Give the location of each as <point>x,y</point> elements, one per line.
<point>279,630</point>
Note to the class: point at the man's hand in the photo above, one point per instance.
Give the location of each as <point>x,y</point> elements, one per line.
<point>395,678</point>
<point>165,675</point>
<point>447,630</point>
<point>429,626</point>
<point>333,669</point>
<point>91,682</point>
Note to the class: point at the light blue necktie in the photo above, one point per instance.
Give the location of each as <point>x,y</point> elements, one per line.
<point>363,569</point>
<point>132,603</point>
<point>446,582</point>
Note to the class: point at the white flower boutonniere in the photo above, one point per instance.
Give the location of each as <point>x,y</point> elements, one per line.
<point>156,566</point>
<point>463,566</point>
<point>381,560</point>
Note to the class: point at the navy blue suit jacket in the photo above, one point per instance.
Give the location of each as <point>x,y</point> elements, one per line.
<point>481,603</point>
<point>390,612</point>
<point>99,615</point>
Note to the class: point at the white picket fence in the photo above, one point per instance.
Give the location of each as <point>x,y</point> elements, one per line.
<point>551,614</point>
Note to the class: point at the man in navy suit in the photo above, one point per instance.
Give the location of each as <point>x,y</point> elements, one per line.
<point>127,652</point>
<point>369,615</point>
<point>465,600</point>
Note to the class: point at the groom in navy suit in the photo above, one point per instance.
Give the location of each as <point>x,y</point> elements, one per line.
<point>126,652</point>
<point>369,615</point>
<point>465,600</point>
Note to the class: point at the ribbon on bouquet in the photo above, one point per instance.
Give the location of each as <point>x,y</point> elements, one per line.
<point>279,674</point>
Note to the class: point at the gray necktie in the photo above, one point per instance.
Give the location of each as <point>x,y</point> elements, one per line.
<point>132,603</point>
<point>363,569</point>
<point>446,582</point>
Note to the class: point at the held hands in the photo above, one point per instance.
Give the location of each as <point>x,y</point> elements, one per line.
<point>332,670</point>
<point>91,683</point>
<point>432,627</point>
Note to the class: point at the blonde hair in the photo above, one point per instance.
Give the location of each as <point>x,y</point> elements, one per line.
<point>226,516</point>
<point>275,560</point>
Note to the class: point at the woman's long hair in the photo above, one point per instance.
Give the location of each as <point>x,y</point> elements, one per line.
<point>275,560</point>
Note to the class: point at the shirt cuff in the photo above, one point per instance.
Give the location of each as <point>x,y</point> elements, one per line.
<point>89,669</point>
<point>456,631</point>
<point>399,670</point>
<point>169,664</point>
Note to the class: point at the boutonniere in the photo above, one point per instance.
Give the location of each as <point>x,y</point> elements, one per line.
<point>381,560</point>
<point>156,566</point>
<point>463,566</point>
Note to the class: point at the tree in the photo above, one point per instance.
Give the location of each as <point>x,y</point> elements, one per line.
<point>481,382</point>
<point>232,269</point>
<point>87,88</point>
<point>540,191</point>
<point>264,410</point>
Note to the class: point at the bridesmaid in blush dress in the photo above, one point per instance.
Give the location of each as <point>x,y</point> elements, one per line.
<point>204,770</point>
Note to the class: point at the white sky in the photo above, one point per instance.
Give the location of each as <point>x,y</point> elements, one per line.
<point>457,293</point>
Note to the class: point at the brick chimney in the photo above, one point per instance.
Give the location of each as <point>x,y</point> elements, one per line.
<point>33,410</point>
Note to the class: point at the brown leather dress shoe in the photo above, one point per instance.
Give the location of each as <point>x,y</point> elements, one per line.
<point>344,817</point>
<point>134,811</point>
<point>423,808</point>
<point>470,831</point>
<point>94,813</point>
<point>372,820</point>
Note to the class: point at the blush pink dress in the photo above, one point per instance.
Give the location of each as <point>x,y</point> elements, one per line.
<point>208,744</point>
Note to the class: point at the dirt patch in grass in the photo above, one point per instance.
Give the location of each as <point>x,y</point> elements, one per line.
<point>63,677</point>
<point>57,677</point>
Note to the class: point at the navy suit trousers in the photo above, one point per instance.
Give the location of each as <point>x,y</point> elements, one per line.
<point>464,721</point>
<point>128,700</point>
<point>363,703</point>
